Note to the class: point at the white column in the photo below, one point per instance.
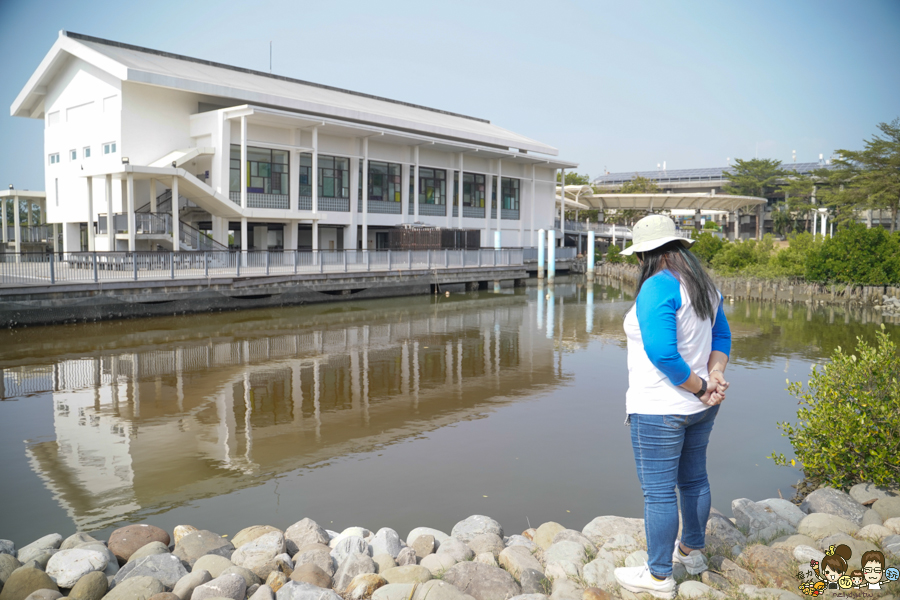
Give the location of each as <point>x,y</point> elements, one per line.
<point>448,201</point>
<point>488,192</point>
<point>551,255</point>
<point>176,222</point>
<point>294,181</point>
<point>17,225</point>
<point>315,177</point>
<point>30,206</point>
<point>290,235</point>
<point>590,256</point>
<point>110,217</point>
<point>243,184</point>
<point>243,234</point>
<point>4,217</point>
<point>90,213</point>
<point>533,201</point>
<point>540,256</point>
<point>459,214</point>
<point>562,207</point>
<point>354,202</point>
<point>404,193</point>
<point>315,234</point>
<point>220,178</point>
<point>499,193</point>
<point>824,223</point>
<point>131,222</point>
<point>153,205</point>
<point>55,237</point>
<point>365,196</point>
<point>416,186</point>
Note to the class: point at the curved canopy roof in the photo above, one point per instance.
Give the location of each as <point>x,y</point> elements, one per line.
<point>583,197</point>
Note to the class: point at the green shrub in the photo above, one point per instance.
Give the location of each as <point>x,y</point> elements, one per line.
<point>631,259</point>
<point>857,255</point>
<point>711,225</point>
<point>848,430</point>
<point>791,261</point>
<point>706,246</point>
<point>614,255</point>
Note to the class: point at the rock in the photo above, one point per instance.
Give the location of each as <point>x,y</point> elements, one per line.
<point>303,533</point>
<point>39,546</point>
<point>165,568</point>
<point>599,573</point>
<point>603,528</point>
<point>516,559</point>
<point>487,542</point>
<point>871,517</point>
<point>44,595</point>
<point>136,588</point>
<point>66,567</point>
<point>182,530</point>
<point>24,581</point>
<point>459,550</point>
<point>383,562</point>
<point>228,585</point>
<point>865,493</point>
<point>565,589</point>
<point>125,541</point>
<point>352,544</point>
<point>276,579</point>
<point>257,554</point>
<point>150,549</point>
<point>200,543</point>
<point>439,536</point>
<point>570,535</point>
<point>696,589</point>
<point>893,524</point>
<point>730,570</point>
<point>532,581</point>
<point>818,525</point>
<point>759,520</point>
<point>423,545</point>
<point>535,596</point>
<point>112,564</point>
<point>439,590</point>
<point>722,535</point>
<point>562,569</point>
<point>164,596</point>
<point>250,578</point>
<point>636,558</point>
<point>594,593</point>
<point>565,551</point>
<point>248,534</point>
<point>481,581</point>
<point>487,558</point>
<point>438,563</point>
<point>888,508</point>
<point>520,540</point>
<point>8,564</point>
<point>186,585</point>
<point>891,547</point>
<point>394,591</point>
<point>715,580</point>
<point>92,586</point>
<point>353,565</point>
<point>873,533</point>
<point>264,592</point>
<point>357,531</point>
<point>213,564</point>
<point>475,525</point>
<point>803,554</point>
<point>772,565</point>
<point>8,547</point>
<point>364,585</point>
<point>406,557</point>
<point>788,511</point>
<point>407,574</point>
<point>316,554</point>
<point>792,541</point>
<point>386,541</point>
<point>834,502</point>
<point>857,547</point>
<point>295,590</point>
<point>543,535</point>
<point>76,539</point>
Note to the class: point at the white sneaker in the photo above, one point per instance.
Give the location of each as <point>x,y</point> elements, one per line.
<point>639,579</point>
<point>694,562</point>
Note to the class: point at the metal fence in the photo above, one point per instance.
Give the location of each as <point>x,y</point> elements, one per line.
<point>566,253</point>
<point>75,267</point>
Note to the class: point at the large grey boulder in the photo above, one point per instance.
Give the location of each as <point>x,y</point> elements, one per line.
<point>407,574</point>
<point>149,550</point>
<point>137,588</point>
<point>481,581</point>
<point>187,584</point>
<point>602,528</point>
<point>8,547</point>
<point>759,520</point>
<point>394,591</point>
<point>112,564</point>
<point>248,534</point>
<point>200,543</point>
<point>458,549</point>
<point>351,544</point>
<point>294,590</point>
<point>303,533</point>
<point>165,568</point>
<point>259,553</point>
<point>517,559</point>
<point>439,590</point>
<point>566,589</point>
<point>439,536</point>
<point>316,554</point>
<point>818,525</point>
<point>565,551</point>
<point>75,540</point>
<point>834,502</point>
<point>788,511</point>
<point>570,535</point>
<point>599,573</point>
<point>469,527</point>
<point>386,541</point>
<point>8,564</point>
<point>39,546</point>
<point>353,565</point>
<point>249,577</point>
<point>533,581</point>
<point>229,585</point>
<point>521,540</point>
<point>544,534</point>
<point>406,557</point>
<point>438,563</point>
<point>92,586</point>
<point>213,564</point>
<point>24,581</point>
<point>487,542</point>
<point>66,567</point>
<point>867,493</point>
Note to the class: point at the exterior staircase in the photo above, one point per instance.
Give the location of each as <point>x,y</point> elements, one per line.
<point>160,223</point>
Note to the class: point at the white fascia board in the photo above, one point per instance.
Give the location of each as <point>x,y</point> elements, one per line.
<point>337,112</point>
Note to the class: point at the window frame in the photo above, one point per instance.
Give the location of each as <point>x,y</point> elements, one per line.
<point>53,158</point>
<point>392,182</point>
<point>259,171</point>
<point>429,179</point>
<point>109,148</point>
<point>510,194</point>
<point>86,152</point>
<point>73,155</point>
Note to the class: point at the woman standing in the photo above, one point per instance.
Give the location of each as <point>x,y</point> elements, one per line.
<point>678,347</point>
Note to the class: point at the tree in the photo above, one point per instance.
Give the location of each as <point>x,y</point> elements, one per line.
<point>782,221</point>
<point>875,170</point>
<point>639,185</point>
<point>798,194</point>
<point>753,177</point>
<point>573,178</point>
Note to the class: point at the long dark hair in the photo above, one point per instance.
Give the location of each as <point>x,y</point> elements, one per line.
<point>685,266</point>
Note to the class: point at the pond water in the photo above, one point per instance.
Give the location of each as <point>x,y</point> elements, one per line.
<point>388,413</point>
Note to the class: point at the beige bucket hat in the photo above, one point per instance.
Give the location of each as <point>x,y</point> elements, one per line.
<point>652,232</point>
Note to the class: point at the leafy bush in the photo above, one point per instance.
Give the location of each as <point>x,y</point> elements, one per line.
<point>631,259</point>
<point>849,429</point>
<point>614,255</point>
<point>857,255</point>
<point>711,225</point>
<point>706,246</point>
<point>791,261</point>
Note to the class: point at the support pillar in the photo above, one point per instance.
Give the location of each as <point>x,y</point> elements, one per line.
<point>176,221</point>
<point>110,216</point>
<point>540,255</point>
<point>243,183</point>
<point>459,194</point>
<point>154,207</point>
<point>17,227</point>
<point>243,234</point>
<point>315,174</point>
<point>562,207</point>
<point>131,222</point>
<point>488,202</point>
<point>416,186</point>
<point>352,242</point>
<point>290,235</point>
<point>315,234</point>
<point>404,193</point>
<point>533,201</point>
<point>590,261</point>
<point>365,196</point>
<point>551,255</point>
<point>90,214</point>
<point>6,223</point>
<point>500,194</point>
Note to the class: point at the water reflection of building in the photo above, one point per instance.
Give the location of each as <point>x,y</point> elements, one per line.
<point>146,426</point>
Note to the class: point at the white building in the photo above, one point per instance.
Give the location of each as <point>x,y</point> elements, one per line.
<point>128,127</point>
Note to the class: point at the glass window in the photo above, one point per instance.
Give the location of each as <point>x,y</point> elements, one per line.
<point>268,171</point>
<point>86,152</point>
<point>109,148</point>
<point>334,177</point>
<point>432,185</point>
<point>473,190</point>
<point>509,193</point>
<point>54,158</point>
<point>73,154</point>
<point>384,181</point>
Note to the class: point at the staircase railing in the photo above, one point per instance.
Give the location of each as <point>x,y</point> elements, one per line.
<point>163,201</point>
<point>197,240</point>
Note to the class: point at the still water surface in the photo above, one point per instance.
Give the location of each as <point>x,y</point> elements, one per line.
<point>398,413</point>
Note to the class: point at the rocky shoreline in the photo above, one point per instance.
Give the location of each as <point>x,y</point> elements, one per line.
<point>763,551</point>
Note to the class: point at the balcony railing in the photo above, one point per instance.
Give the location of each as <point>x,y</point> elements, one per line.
<point>36,234</point>
<point>566,253</point>
<point>257,200</point>
<point>384,207</point>
<point>41,269</point>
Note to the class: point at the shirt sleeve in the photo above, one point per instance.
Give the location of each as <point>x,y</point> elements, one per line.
<point>656,305</point>
<point>721,332</point>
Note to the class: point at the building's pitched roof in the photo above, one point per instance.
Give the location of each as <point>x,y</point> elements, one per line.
<point>244,86</point>
<point>683,175</point>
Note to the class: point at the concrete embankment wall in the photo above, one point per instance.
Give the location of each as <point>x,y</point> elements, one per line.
<point>740,288</point>
<point>44,305</point>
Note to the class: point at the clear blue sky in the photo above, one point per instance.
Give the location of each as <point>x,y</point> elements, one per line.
<point>614,85</point>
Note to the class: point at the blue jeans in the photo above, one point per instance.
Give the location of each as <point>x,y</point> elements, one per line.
<point>670,450</point>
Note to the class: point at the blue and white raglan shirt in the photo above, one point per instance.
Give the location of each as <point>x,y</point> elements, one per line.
<point>666,341</point>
